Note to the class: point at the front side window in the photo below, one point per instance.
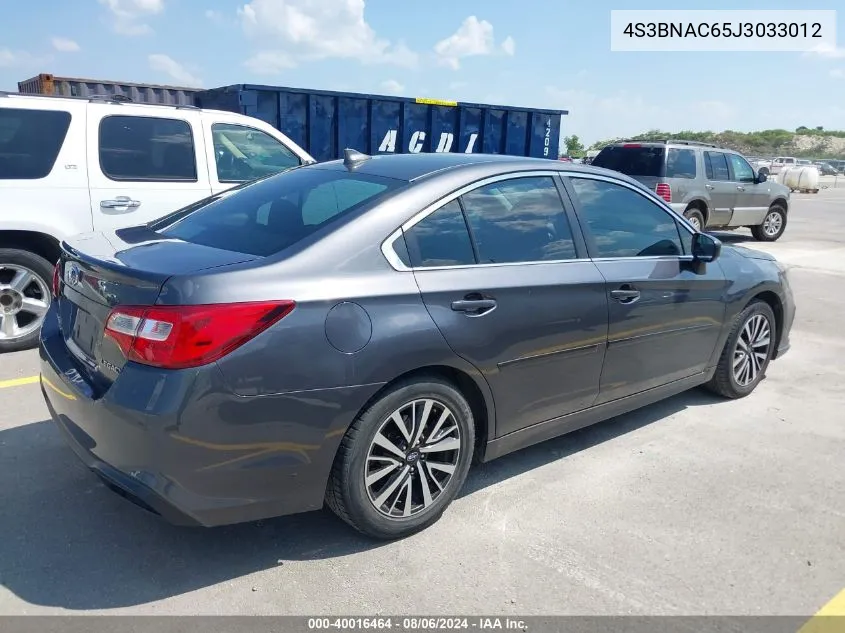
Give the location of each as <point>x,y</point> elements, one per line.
<point>716,164</point>
<point>268,216</point>
<point>440,239</point>
<point>519,220</point>
<point>134,148</point>
<point>30,141</point>
<point>243,153</point>
<point>742,170</point>
<point>624,223</point>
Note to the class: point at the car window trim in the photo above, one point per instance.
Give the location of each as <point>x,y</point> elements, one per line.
<point>680,221</point>
<point>187,122</point>
<point>299,160</point>
<point>396,262</point>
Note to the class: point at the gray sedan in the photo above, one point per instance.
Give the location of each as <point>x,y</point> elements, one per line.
<point>359,332</point>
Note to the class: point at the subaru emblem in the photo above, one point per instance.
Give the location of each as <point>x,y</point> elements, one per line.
<point>73,276</point>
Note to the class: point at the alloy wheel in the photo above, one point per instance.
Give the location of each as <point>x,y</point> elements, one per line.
<point>772,224</point>
<point>24,300</point>
<point>752,350</point>
<point>412,458</point>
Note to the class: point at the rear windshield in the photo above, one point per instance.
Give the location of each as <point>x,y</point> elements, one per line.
<point>632,160</point>
<point>270,215</point>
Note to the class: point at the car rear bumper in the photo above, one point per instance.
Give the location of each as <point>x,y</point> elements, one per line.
<point>181,445</point>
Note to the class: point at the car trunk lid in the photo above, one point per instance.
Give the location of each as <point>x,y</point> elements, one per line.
<point>98,271</point>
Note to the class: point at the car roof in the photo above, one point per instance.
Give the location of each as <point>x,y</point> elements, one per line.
<point>412,167</point>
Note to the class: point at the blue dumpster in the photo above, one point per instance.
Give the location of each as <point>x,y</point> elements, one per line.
<point>324,123</point>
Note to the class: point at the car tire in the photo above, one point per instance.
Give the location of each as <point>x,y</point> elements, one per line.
<point>368,505</point>
<point>695,217</point>
<point>773,225</point>
<point>747,352</point>
<point>12,262</point>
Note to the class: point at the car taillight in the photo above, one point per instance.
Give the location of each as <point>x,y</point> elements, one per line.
<point>57,279</point>
<point>178,337</point>
<point>631,145</point>
<point>664,191</point>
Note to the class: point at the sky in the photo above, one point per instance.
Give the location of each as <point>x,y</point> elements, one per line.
<point>533,53</point>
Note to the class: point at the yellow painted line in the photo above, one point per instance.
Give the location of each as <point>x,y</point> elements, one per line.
<point>18,382</point>
<point>64,394</point>
<point>829,619</point>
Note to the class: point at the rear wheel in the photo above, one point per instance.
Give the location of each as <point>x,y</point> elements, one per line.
<point>773,226</point>
<point>25,280</point>
<point>695,217</point>
<point>403,460</point>
<point>747,352</point>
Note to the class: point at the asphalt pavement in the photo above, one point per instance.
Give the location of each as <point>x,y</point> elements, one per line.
<point>691,506</point>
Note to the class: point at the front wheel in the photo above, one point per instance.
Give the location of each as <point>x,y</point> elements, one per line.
<point>747,352</point>
<point>773,226</point>
<point>25,295</point>
<point>403,460</point>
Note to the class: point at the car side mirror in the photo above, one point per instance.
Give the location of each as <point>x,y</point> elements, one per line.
<point>705,248</point>
<point>762,177</point>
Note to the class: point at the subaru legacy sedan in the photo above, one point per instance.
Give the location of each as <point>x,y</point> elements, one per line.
<point>357,333</point>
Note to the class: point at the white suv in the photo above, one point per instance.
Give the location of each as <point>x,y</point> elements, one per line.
<point>73,165</point>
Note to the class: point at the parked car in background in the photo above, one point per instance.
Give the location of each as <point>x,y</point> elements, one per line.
<point>780,163</point>
<point>234,360</point>
<point>826,169</point>
<point>71,165</point>
<point>713,187</point>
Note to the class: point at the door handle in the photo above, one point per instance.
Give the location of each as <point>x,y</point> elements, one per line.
<point>474,307</point>
<point>121,203</point>
<point>740,188</point>
<point>626,294</point>
<point>710,187</point>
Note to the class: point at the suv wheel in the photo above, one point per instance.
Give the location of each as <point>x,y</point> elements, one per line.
<point>695,217</point>
<point>773,226</point>
<point>25,280</point>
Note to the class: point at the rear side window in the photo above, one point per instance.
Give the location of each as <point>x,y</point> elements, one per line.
<point>30,141</point>
<point>147,149</point>
<point>270,215</point>
<point>441,239</point>
<point>680,163</point>
<point>519,220</point>
<point>716,165</point>
<point>633,160</point>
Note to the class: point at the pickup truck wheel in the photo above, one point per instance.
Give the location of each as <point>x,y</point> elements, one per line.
<point>25,280</point>
<point>773,226</point>
<point>695,218</point>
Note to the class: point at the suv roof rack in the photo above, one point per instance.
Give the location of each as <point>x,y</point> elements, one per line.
<point>100,98</point>
<point>670,141</point>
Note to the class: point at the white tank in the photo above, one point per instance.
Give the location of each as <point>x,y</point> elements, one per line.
<point>805,178</point>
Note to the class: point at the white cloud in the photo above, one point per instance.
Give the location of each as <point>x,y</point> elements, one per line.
<point>827,50</point>
<point>509,46</point>
<point>269,62</point>
<point>215,16</point>
<point>474,37</point>
<point>19,59</point>
<point>173,69</point>
<point>127,16</point>
<point>391,86</point>
<point>64,45</point>
<point>306,30</point>
<point>837,73</point>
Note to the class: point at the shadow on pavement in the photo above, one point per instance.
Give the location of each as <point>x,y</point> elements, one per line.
<point>66,541</point>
